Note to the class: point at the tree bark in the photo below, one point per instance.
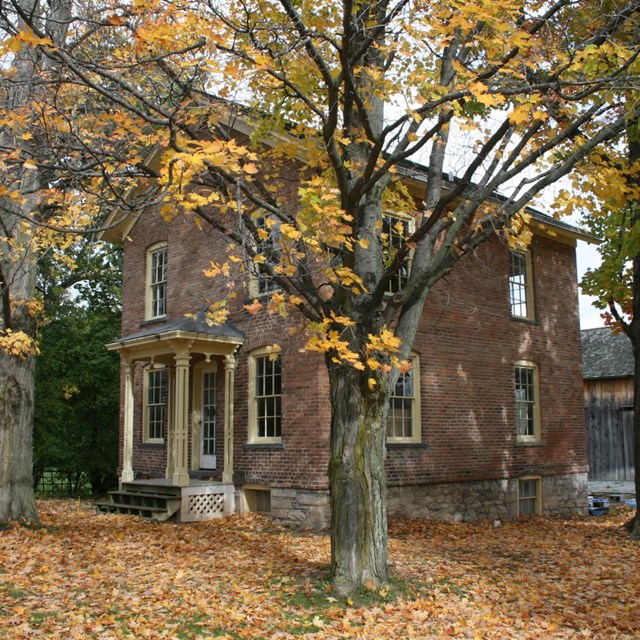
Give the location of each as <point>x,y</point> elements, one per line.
<point>17,500</point>
<point>634,524</point>
<point>357,481</point>
<point>18,264</point>
<point>633,331</point>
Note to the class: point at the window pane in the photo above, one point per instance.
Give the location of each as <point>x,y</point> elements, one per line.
<point>158,282</point>
<point>395,231</point>
<point>156,404</point>
<point>518,284</point>
<point>268,397</point>
<point>525,397</point>
<point>400,416</point>
<point>528,494</point>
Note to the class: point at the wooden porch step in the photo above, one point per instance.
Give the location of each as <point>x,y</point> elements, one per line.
<point>143,501</point>
<point>147,495</point>
<point>151,513</point>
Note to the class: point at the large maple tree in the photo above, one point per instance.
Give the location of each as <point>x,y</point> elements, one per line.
<point>610,202</point>
<point>347,92</point>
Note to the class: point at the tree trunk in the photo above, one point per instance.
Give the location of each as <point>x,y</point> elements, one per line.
<point>17,501</point>
<point>18,263</point>
<point>634,524</point>
<point>633,331</point>
<point>357,482</point>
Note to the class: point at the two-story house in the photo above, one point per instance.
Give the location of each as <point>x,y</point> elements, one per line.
<point>488,423</point>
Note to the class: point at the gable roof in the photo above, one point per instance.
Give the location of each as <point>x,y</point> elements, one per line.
<point>119,223</point>
<point>606,354</point>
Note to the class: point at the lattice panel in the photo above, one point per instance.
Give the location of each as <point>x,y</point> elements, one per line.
<point>206,504</point>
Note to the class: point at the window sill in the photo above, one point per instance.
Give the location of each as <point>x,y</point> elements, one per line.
<point>533,321</point>
<point>157,320</point>
<point>263,446</point>
<point>530,443</point>
<point>153,445</point>
<point>407,445</point>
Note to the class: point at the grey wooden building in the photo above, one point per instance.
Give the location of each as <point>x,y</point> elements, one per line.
<point>608,399</point>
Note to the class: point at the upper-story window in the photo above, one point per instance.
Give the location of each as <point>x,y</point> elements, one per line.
<point>521,285</point>
<point>403,420</point>
<point>265,397</point>
<point>395,230</point>
<point>156,295</point>
<point>268,249</point>
<point>527,397</point>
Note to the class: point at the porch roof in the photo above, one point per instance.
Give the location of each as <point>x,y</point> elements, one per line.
<point>192,330</point>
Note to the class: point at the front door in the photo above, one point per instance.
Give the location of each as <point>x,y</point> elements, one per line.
<point>208,426</point>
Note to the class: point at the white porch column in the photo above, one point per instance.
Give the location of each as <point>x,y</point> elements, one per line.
<point>180,420</point>
<point>170,417</point>
<point>229,380</point>
<point>127,444</point>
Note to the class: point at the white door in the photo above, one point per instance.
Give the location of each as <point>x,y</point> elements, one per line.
<point>208,426</point>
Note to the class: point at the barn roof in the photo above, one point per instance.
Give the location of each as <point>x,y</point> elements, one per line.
<point>605,354</point>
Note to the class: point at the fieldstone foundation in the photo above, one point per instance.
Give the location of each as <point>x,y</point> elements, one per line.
<point>452,502</point>
<point>488,499</point>
<point>302,508</point>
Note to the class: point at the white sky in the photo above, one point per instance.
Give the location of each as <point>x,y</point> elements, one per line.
<point>587,255</point>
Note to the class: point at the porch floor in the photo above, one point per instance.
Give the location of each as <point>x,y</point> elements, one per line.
<point>167,482</point>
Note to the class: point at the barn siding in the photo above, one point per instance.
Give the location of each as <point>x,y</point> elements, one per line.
<point>609,420</point>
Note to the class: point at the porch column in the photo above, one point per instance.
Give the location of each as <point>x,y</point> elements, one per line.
<point>127,443</point>
<point>229,380</point>
<point>180,420</point>
<point>170,416</point>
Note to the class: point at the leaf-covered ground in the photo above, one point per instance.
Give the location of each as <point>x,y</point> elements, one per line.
<point>84,575</point>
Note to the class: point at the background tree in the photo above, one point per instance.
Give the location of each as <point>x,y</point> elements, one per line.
<point>612,190</point>
<point>23,187</point>
<point>510,95</point>
<point>77,380</point>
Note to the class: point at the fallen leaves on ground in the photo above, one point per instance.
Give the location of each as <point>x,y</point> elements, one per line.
<point>110,577</point>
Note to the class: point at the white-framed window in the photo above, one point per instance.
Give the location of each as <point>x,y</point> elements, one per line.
<point>155,404</point>
<point>529,496</point>
<point>265,396</point>
<point>268,250</point>
<point>521,285</point>
<point>527,401</point>
<point>156,293</point>
<point>396,228</point>
<point>403,420</point>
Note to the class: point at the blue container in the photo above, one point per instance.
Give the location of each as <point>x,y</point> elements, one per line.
<point>598,506</point>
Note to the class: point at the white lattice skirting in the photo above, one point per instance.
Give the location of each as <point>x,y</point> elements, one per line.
<point>206,502</point>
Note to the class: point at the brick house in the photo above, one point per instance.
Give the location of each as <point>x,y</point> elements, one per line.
<point>489,422</point>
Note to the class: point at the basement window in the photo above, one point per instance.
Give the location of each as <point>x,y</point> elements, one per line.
<point>258,499</point>
<point>529,496</point>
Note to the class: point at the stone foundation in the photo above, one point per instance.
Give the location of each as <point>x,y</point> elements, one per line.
<point>488,499</point>
<point>453,502</point>
<point>301,508</point>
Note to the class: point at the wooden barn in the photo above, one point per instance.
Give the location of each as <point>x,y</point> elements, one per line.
<point>608,399</point>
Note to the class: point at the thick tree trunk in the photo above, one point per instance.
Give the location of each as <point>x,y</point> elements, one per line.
<point>634,524</point>
<point>633,331</point>
<point>359,556</point>
<point>18,264</point>
<point>17,501</point>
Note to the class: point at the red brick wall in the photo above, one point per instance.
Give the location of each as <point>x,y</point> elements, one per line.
<point>467,343</point>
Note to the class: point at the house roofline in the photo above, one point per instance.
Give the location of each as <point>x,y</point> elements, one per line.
<point>543,224</point>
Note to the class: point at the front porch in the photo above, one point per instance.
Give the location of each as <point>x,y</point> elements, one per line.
<point>161,500</point>
<point>181,362</point>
